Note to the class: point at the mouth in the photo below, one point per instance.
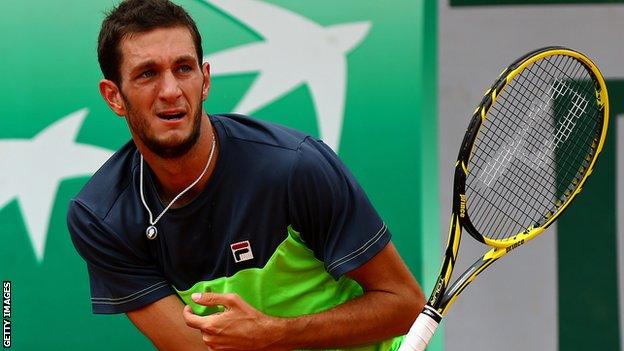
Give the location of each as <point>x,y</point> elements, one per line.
<point>171,115</point>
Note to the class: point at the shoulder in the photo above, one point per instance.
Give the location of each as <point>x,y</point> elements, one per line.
<point>303,149</point>
<point>101,192</point>
<point>268,150</point>
<point>244,129</point>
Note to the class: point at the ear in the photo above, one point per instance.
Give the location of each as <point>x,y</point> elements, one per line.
<point>206,83</point>
<point>112,95</point>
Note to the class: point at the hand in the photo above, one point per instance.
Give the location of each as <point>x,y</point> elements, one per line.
<point>239,327</point>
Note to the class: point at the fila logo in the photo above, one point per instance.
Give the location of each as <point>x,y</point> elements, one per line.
<point>241,251</point>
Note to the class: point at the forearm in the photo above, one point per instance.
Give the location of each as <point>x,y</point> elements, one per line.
<point>163,324</point>
<point>375,316</point>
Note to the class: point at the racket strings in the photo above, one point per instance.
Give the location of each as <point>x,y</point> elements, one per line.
<point>520,170</point>
<point>517,204</point>
<point>517,207</point>
<point>520,208</point>
<point>516,108</point>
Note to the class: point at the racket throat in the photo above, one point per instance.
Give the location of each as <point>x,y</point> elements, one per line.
<point>466,278</point>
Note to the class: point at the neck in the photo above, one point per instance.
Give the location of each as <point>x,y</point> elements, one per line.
<point>174,175</point>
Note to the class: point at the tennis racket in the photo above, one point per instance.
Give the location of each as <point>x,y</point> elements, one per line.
<point>529,148</point>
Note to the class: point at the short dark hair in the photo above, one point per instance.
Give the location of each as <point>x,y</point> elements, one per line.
<point>138,16</point>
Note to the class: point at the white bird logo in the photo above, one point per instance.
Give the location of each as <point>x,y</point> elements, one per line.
<point>35,167</point>
<point>295,51</point>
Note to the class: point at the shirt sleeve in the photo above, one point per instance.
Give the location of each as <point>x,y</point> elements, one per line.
<point>332,212</point>
<point>122,278</point>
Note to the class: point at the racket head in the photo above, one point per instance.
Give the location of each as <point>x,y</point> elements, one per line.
<point>531,144</point>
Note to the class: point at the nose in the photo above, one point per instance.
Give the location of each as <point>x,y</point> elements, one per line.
<point>169,88</point>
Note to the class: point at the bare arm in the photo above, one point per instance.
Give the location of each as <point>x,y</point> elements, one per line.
<point>392,299</point>
<point>163,324</point>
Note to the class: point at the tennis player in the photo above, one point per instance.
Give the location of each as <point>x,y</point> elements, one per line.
<point>199,214</point>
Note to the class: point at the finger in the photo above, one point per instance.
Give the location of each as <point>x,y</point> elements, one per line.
<point>209,340</point>
<point>213,299</point>
<point>191,319</point>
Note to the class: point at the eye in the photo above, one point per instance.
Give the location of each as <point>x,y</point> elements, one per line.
<point>147,74</point>
<point>185,68</point>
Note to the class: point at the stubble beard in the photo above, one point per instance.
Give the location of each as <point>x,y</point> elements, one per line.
<point>163,148</point>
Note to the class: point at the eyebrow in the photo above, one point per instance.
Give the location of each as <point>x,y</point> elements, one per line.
<point>184,58</point>
<point>143,65</point>
<point>151,63</point>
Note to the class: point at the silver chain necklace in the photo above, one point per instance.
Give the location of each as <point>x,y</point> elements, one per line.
<point>151,232</point>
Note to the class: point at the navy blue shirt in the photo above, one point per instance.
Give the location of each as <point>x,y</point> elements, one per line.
<point>267,179</point>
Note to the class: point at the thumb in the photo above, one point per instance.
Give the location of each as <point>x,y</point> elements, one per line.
<point>213,299</point>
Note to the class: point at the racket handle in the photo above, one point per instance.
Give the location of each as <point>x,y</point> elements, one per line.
<point>422,330</point>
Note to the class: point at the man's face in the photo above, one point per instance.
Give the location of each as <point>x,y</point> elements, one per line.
<point>162,88</point>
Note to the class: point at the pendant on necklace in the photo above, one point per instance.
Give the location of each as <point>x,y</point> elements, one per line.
<point>151,232</point>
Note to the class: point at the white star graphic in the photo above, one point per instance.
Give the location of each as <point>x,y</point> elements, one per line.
<point>295,51</point>
<point>33,169</point>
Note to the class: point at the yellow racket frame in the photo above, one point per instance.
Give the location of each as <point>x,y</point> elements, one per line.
<point>443,295</point>
<point>602,98</point>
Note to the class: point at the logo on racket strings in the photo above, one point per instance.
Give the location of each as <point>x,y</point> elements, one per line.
<point>529,151</point>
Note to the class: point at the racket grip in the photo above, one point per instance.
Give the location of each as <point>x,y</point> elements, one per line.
<point>422,330</point>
